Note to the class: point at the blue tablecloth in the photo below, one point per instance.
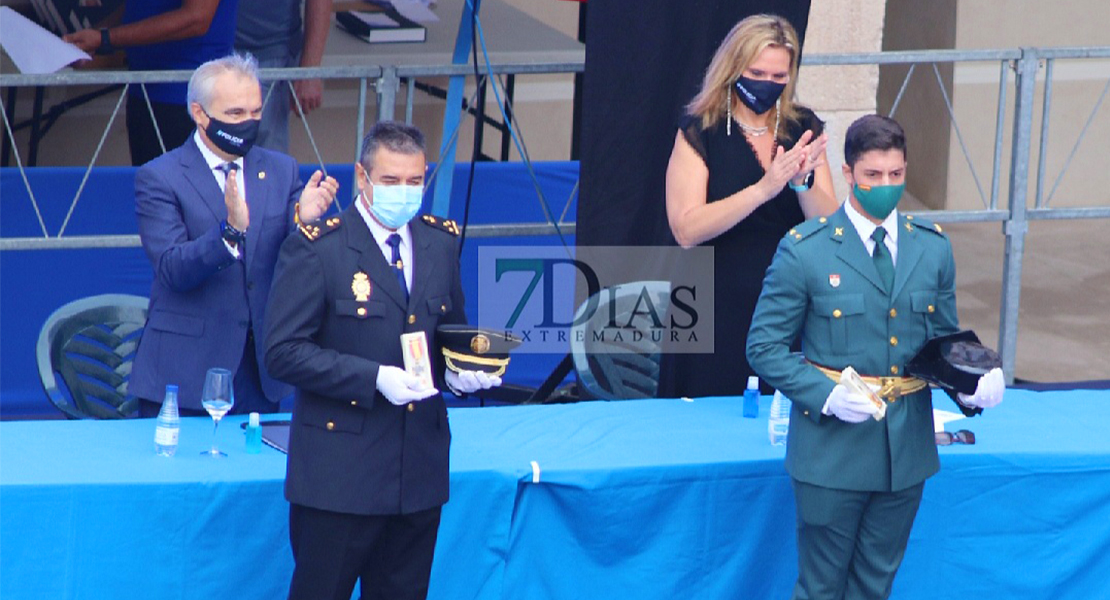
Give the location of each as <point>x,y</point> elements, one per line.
<point>648,499</point>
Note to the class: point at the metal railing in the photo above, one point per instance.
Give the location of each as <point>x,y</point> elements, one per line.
<point>1014,215</point>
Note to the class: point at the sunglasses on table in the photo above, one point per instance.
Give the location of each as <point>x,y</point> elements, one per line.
<point>963,436</point>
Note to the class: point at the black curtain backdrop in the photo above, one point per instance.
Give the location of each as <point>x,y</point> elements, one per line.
<point>645,60</point>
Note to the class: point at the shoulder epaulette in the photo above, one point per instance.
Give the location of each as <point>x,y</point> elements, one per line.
<point>807,229</point>
<point>925,224</point>
<point>448,225</point>
<point>318,229</point>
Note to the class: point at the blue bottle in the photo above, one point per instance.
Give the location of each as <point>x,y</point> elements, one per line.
<point>254,434</point>
<point>751,398</point>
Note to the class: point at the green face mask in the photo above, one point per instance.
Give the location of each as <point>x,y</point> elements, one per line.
<point>878,200</point>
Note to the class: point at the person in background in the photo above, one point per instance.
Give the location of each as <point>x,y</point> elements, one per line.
<point>212,214</point>
<point>369,444</point>
<point>275,33</point>
<point>748,164</point>
<point>866,288</point>
<point>162,35</point>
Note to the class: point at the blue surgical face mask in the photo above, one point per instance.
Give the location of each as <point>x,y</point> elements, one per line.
<point>395,205</point>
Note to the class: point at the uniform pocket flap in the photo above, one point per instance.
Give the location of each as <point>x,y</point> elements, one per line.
<point>359,310</point>
<point>924,301</point>
<point>175,323</point>
<point>339,417</point>
<point>440,305</point>
<point>838,305</point>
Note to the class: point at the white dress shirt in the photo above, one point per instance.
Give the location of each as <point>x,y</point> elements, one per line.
<point>214,166</point>
<point>865,228</point>
<point>381,234</point>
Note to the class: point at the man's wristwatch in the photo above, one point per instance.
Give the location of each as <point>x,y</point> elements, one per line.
<point>806,183</point>
<point>106,46</point>
<point>232,235</point>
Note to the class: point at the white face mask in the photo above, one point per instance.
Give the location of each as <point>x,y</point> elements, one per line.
<point>395,205</point>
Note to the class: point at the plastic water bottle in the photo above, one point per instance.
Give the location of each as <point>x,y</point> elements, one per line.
<point>751,398</point>
<point>254,434</point>
<point>779,423</point>
<point>169,424</point>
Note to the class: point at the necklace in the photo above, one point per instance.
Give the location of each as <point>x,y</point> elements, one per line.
<point>750,130</point>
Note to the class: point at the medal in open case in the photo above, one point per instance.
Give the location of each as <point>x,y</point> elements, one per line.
<point>417,361</point>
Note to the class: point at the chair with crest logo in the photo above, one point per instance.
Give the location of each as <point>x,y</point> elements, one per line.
<point>84,355</point>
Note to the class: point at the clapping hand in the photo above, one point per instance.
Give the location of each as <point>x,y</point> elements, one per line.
<point>988,392</point>
<point>317,196</point>
<point>238,215</point>
<point>813,157</point>
<point>786,165</point>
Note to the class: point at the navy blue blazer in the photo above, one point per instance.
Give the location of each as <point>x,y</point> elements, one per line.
<point>350,449</point>
<point>203,301</point>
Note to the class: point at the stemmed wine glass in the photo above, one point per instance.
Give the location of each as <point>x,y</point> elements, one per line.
<point>217,398</point>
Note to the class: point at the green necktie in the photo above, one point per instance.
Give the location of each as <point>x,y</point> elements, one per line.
<point>883,263</point>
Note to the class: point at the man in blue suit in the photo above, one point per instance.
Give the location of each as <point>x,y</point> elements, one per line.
<point>369,444</point>
<point>866,288</point>
<point>212,216</point>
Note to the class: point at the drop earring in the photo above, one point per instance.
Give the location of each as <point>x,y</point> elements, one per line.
<point>728,111</point>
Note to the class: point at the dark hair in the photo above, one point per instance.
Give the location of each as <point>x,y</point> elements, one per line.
<point>394,136</point>
<point>872,132</point>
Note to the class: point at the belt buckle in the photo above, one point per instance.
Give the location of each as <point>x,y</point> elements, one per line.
<point>891,388</point>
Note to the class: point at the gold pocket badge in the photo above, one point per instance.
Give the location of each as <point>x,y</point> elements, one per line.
<point>360,285</point>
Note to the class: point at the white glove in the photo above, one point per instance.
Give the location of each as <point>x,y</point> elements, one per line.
<point>988,393</point>
<point>400,387</point>
<point>469,382</point>
<point>848,406</point>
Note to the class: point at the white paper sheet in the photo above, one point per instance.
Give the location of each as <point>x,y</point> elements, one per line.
<point>376,19</point>
<point>32,48</point>
<point>415,10</point>
<point>940,417</point>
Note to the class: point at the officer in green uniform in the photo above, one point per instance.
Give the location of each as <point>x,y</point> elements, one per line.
<point>864,287</point>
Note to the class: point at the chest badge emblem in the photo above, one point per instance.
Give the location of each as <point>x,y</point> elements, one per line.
<point>360,285</point>
<point>834,279</point>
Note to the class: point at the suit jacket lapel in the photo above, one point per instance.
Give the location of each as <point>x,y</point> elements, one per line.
<point>909,254</point>
<point>852,251</point>
<point>203,181</point>
<point>371,260</point>
<point>255,191</point>
<point>423,265</point>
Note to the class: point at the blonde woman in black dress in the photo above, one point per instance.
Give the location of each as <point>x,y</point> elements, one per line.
<point>748,165</point>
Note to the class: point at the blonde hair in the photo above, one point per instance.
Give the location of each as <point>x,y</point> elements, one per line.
<point>739,49</point>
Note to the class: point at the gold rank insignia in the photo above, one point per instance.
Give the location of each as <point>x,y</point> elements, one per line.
<point>448,225</point>
<point>318,229</point>
<point>839,231</point>
<point>360,285</point>
<point>937,227</point>
<point>909,227</point>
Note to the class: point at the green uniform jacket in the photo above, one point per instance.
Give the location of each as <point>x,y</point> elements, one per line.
<point>823,287</point>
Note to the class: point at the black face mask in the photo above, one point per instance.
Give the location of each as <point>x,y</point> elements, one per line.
<point>234,138</point>
<point>760,96</point>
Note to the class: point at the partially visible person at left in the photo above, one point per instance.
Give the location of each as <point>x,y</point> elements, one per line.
<point>369,444</point>
<point>865,287</point>
<point>212,216</point>
<point>161,35</point>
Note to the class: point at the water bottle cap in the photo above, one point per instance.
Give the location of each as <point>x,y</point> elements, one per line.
<point>253,419</point>
<point>171,388</point>
<point>753,382</point>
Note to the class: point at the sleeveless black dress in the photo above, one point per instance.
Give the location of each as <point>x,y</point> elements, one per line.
<point>741,257</point>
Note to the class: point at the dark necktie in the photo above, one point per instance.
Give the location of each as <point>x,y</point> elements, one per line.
<point>227,169</point>
<point>883,263</point>
<point>395,263</point>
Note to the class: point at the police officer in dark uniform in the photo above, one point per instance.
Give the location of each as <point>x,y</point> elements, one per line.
<point>368,447</point>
